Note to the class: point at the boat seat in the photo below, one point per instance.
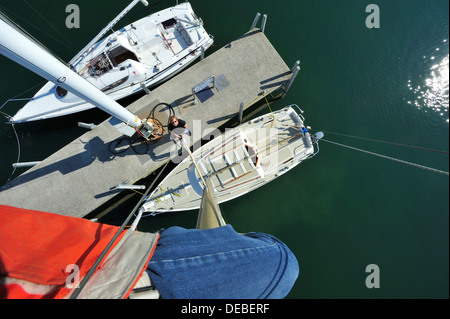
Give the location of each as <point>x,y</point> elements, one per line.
<point>184,34</point>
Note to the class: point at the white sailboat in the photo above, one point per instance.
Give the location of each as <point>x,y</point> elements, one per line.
<point>17,46</point>
<point>134,58</point>
<point>237,162</point>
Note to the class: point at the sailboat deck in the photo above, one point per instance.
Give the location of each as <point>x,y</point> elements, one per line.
<point>236,163</point>
<point>81,176</point>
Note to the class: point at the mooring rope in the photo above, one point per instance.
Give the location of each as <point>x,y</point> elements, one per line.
<point>18,154</point>
<point>386,142</point>
<point>389,158</point>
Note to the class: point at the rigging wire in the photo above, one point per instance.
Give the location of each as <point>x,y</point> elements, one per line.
<point>28,34</point>
<point>389,158</point>
<point>59,33</point>
<point>385,142</point>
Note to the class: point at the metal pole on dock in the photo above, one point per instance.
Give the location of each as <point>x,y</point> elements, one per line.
<point>127,186</point>
<point>241,112</point>
<point>89,126</point>
<point>144,88</point>
<point>295,70</point>
<point>263,23</point>
<point>25,164</point>
<point>255,21</point>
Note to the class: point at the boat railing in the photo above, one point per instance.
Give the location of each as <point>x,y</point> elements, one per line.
<point>12,100</point>
<point>315,141</point>
<point>300,113</point>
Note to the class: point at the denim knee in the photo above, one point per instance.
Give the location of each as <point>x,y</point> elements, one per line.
<point>221,263</point>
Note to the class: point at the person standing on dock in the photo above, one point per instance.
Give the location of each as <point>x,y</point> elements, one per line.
<point>177,127</point>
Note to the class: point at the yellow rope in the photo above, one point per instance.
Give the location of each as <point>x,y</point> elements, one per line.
<point>137,192</point>
<point>268,104</point>
<point>269,110</point>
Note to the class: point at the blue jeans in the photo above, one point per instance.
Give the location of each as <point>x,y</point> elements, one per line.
<point>219,263</point>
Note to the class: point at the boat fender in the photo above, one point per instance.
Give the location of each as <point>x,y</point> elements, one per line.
<point>317,136</point>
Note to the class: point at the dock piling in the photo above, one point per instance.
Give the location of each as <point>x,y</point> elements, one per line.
<point>241,112</point>
<point>146,90</point>
<point>263,23</point>
<point>295,69</point>
<point>255,21</point>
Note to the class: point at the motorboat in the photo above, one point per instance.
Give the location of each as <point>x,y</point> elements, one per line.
<point>237,162</point>
<point>131,59</point>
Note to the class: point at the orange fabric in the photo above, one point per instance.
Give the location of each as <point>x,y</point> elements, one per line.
<point>38,246</point>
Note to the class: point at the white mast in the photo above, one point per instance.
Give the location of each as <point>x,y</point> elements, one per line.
<point>22,50</point>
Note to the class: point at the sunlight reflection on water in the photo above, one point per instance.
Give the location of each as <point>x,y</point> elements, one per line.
<point>434,93</point>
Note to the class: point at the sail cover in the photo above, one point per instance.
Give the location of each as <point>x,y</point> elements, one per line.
<point>45,255</point>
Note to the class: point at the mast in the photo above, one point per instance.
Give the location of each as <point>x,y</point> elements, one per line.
<point>21,49</point>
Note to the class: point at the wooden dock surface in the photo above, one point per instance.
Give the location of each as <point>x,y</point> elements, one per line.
<point>81,176</point>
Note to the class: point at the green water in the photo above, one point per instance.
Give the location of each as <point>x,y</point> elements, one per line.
<point>344,209</point>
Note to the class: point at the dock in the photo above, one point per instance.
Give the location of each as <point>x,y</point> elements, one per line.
<point>85,174</point>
